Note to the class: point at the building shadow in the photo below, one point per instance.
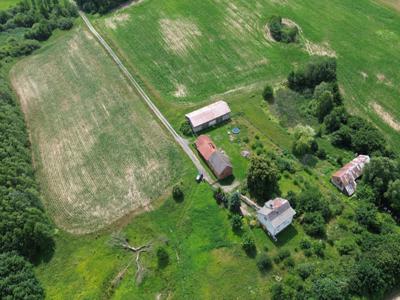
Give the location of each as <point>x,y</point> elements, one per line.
<point>227,181</point>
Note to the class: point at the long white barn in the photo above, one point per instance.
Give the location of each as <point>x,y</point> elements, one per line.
<point>209,115</point>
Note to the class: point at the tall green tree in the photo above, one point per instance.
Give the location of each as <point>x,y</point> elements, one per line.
<point>17,280</point>
<point>262,179</point>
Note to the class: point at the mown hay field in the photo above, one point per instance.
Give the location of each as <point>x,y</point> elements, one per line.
<point>98,151</point>
<point>188,52</point>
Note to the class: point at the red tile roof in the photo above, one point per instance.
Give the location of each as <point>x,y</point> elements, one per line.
<point>205,146</point>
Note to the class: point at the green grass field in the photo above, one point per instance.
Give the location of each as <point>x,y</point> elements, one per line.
<point>200,49</point>
<point>206,259</point>
<point>4,4</point>
<point>98,151</point>
<point>87,125</point>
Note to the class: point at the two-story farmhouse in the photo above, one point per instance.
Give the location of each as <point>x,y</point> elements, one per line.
<point>209,115</point>
<point>345,178</point>
<point>217,161</point>
<point>276,215</point>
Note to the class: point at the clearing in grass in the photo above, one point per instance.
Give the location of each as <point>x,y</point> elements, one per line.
<point>98,151</point>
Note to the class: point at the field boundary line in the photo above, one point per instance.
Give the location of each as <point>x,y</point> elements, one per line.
<point>183,143</point>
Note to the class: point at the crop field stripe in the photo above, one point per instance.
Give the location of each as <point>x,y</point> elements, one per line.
<point>147,99</point>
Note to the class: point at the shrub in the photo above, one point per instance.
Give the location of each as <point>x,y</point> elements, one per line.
<point>177,193</point>
<point>248,244</point>
<point>185,128</point>
<point>304,142</point>
<point>305,244</point>
<point>282,255</point>
<point>314,224</point>
<point>221,197</point>
<point>325,105</point>
<point>268,93</point>
<point>346,246</point>
<point>40,31</point>
<point>162,257</point>
<point>319,248</point>
<point>264,263</point>
<point>65,23</point>
<point>289,262</point>
<point>236,223</point>
<point>305,270</point>
<point>321,154</point>
<point>315,72</point>
<point>235,203</point>
<point>281,32</point>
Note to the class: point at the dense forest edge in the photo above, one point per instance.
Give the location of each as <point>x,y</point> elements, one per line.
<point>26,232</point>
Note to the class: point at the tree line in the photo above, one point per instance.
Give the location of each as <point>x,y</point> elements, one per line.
<point>99,6</point>
<point>26,233</point>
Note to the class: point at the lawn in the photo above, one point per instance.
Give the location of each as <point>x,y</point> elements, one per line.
<point>206,259</point>
<point>98,152</point>
<point>198,50</point>
<point>4,4</point>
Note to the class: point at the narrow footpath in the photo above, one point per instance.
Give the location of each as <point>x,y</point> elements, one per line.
<point>182,142</point>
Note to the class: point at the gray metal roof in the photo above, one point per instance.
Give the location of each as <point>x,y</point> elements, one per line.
<point>219,162</point>
<point>277,211</point>
<point>208,113</point>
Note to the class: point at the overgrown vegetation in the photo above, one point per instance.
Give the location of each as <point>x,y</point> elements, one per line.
<point>100,6</point>
<point>37,19</point>
<point>282,32</point>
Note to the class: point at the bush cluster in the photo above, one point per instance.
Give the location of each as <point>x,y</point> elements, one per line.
<point>281,32</point>
<point>99,6</point>
<point>38,19</point>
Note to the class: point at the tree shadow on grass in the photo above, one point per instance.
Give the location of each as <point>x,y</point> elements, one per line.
<point>227,181</point>
<point>44,255</point>
<point>251,252</point>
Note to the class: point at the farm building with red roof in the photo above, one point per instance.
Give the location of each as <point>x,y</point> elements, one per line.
<point>345,178</point>
<point>217,161</point>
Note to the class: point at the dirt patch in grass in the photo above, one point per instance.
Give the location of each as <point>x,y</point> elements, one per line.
<point>116,20</point>
<point>382,79</point>
<point>179,35</point>
<point>392,3</point>
<point>385,116</point>
<point>180,91</point>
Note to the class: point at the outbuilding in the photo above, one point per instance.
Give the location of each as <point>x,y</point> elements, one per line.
<point>345,178</point>
<point>209,115</point>
<point>217,161</point>
<point>276,215</point>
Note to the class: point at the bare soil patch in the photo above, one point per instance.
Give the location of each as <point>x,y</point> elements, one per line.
<point>179,35</point>
<point>385,116</point>
<point>180,90</point>
<point>382,79</point>
<point>116,20</point>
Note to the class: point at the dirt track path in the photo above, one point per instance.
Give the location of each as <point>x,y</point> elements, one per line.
<point>183,143</point>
